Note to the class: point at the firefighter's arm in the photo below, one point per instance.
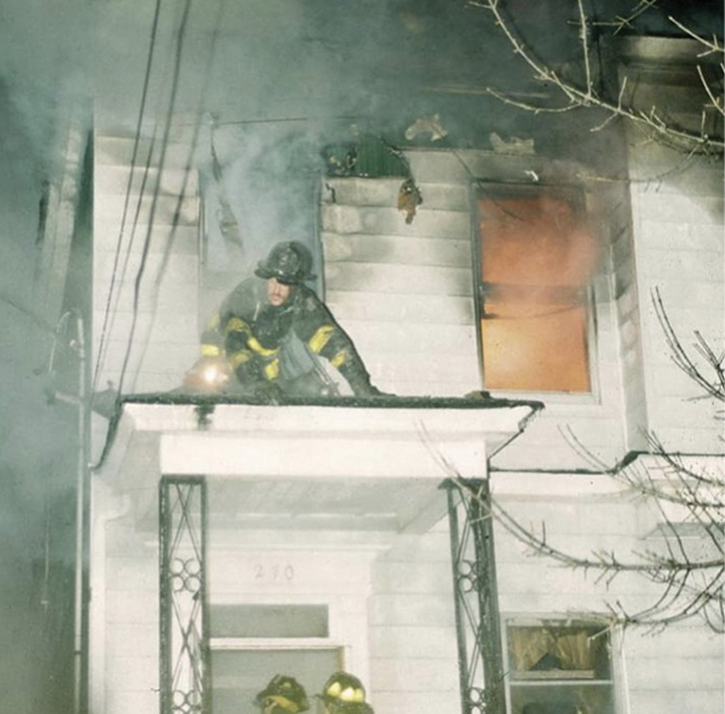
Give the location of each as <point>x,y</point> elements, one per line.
<point>326,338</point>
<point>250,361</point>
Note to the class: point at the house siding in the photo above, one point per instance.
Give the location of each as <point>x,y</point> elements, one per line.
<point>166,319</point>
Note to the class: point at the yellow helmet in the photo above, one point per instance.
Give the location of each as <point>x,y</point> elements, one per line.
<point>343,688</point>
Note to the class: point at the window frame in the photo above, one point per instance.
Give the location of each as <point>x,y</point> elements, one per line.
<point>586,200</point>
<point>336,641</point>
<point>342,637</point>
<point>617,676</point>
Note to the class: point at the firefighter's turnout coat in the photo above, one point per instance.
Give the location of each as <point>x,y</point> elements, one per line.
<point>252,335</point>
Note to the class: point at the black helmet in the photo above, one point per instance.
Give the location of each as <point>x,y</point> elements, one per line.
<point>343,688</point>
<point>286,692</point>
<point>290,263</point>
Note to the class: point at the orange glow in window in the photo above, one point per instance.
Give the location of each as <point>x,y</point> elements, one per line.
<point>537,259</point>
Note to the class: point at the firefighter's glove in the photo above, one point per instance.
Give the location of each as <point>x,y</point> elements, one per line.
<point>368,390</point>
<point>209,375</point>
<point>268,392</point>
<point>358,379</point>
<point>361,387</point>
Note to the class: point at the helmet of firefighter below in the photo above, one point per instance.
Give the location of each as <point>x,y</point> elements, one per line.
<point>289,263</point>
<point>285,693</point>
<point>343,689</point>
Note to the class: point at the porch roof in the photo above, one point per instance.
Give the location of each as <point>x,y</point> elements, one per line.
<point>347,463</point>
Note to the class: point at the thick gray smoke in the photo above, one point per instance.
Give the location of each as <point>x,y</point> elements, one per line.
<point>282,78</point>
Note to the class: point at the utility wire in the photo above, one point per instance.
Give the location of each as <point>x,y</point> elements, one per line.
<point>116,418</point>
<point>144,94</point>
<point>189,160</point>
<point>154,202</point>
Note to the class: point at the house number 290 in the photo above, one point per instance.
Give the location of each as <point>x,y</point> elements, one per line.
<point>274,573</point>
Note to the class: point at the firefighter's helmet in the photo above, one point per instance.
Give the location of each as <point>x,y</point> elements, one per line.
<point>286,692</point>
<point>343,688</point>
<point>289,262</point>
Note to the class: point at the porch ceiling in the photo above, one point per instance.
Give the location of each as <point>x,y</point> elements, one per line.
<point>326,504</point>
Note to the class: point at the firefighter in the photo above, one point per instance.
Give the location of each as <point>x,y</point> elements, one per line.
<point>344,693</point>
<point>255,328</point>
<point>283,695</point>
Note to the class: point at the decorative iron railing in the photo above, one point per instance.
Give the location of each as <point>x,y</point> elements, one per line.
<point>478,624</point>
<point>185,674</point>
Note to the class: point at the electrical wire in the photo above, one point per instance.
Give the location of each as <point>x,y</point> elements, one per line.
<point>154,202</point>
<point>116,418</point>
<point>189,160</point>
<point>102,347</point>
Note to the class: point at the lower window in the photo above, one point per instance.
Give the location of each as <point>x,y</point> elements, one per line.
<point>251,643</point>
<point>238,675</point>
<point>559,667</point>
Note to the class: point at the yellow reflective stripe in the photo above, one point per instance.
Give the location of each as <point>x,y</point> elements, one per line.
<point>253,342</point>
<point>318,341</point>
<point>236,324</point>
<point>239,358</point>
<point>210,351</point>
<point>286,704</point>
<point>339,359</point>
<point>213,322</point>
<point>271,370</point>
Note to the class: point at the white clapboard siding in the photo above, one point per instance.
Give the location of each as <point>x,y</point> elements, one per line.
<point>397,278</point>
<point>173,181</point>
<point>338,218</point>
<point>413,308</point>
<point>403,291</point>
<point>446,253</point>
<point>384,192</point>
<point>678,250</point>
<point>166,334</point>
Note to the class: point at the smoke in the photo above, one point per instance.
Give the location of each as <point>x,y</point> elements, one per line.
<point>255,65</point>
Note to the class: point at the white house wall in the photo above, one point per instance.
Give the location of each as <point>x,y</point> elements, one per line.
<point>679,669</point>
<point>404,292</point>
<point>413,655</point>
<point>166,331</point>
<point>677,212</point>
<point>679,251</point>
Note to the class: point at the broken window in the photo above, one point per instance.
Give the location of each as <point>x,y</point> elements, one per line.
<point>559,667</point>
<point>537,257</point>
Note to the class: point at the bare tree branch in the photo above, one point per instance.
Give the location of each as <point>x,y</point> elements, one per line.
<point>712,384</point>
<point>587,97</point>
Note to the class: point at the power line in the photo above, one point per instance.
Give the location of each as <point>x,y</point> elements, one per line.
<point>152,212</point>
<point>144,94</point>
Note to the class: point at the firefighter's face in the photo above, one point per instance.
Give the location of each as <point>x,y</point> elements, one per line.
<point>277,293</point>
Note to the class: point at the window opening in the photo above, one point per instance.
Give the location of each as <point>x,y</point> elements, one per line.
<point>238,675</point>
<point>559,667</point>
<point>537,257</point>
<point>269,620</point>
<point>252,642</point>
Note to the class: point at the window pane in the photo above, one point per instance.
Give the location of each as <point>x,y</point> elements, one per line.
<point>560,668</point>
<point>575,699</point>
<point>269,620</point>
<point>537,260</point>
<point>238,675</point>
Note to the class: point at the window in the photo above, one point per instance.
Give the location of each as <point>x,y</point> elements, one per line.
<point>537,257</point>
<point>251,643</point>
<point>559,667</point>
